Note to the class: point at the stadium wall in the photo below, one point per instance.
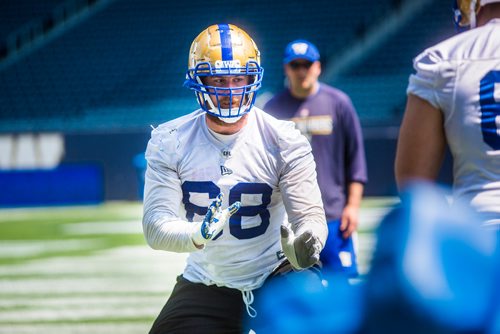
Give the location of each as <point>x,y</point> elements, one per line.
<point>116,154</point>
<point>97,167</point>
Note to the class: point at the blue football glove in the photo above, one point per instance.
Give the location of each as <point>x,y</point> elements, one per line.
<point>214,221</point>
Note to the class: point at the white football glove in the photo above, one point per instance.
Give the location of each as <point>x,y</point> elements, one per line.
<point>214,221</point>
<point>302,251</point>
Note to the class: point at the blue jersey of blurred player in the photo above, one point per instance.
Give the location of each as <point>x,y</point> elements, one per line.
<point>434,269</point>
<point>454,99</point>
<point>258,173</point>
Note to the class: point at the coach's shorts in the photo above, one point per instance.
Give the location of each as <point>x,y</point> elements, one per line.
<point>339,254</point>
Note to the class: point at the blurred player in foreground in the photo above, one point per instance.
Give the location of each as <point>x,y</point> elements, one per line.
<point>259,175</point>
<point>434,270</point>
<point>454,99</point>
<point>327,117</point>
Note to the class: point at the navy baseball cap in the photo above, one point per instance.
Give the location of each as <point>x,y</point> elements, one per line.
<point>300,49</point>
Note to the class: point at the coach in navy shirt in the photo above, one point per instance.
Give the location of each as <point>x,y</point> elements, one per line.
<point>327,117</point>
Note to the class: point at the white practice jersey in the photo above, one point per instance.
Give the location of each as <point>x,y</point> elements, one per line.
<point>268,166</point>
<point>461,77</point>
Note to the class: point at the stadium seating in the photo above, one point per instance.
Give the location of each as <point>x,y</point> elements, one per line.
<point>377,85</point>
<point>123,67</point>
<point>15,15</point>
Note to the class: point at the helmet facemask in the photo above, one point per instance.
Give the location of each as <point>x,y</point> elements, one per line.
<point>241,99</point>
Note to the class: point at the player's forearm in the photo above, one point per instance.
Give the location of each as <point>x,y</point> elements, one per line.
<point>355,194</point>
<point>168,234</point>
<point>302,199</point>
<point>163,229</point>
<point>421,142</point>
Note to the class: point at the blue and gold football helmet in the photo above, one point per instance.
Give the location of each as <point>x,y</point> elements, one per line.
<point>224,50</point>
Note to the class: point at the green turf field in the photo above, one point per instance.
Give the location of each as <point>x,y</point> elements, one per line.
<point>88,269</point>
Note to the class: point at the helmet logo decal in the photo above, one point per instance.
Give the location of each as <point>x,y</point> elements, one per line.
<point>225,42</point>
<point>227,63</point>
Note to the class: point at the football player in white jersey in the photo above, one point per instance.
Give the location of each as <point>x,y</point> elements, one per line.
<point>254,173</point>
<point>454,99</point>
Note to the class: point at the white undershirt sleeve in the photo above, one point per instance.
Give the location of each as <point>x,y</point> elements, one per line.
<point>299,188</point>
<point>162,225</point>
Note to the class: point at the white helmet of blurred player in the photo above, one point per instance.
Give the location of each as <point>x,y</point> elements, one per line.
<point>465,12</point>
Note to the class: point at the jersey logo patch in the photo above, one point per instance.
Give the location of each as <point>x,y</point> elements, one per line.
<point>321,125</point>
<point>225,171</point>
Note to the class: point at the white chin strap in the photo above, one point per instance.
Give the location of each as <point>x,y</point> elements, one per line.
<point>225,113</point>
<point>230,120</point>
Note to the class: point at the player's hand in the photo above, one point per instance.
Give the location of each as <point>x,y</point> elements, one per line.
<point>349,221</point>
<point>303,250</point>
<point>214,221</point>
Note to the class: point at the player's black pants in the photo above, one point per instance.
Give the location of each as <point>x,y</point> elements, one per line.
<point>198,308</point>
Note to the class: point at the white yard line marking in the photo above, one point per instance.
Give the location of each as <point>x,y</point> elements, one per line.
<point>77,301</point>
<point>121,283</point>
<point>119,261</point>
<point>79,313</point>
<point>101,328</point>
<point>369,218</point>
<point>104,227</point>
<point>19,249</point>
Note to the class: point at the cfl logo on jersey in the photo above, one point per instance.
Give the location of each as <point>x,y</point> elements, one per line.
<point>225,171</point>
<point>226,154</point>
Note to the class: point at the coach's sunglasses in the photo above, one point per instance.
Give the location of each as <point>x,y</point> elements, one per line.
<point>295,65</point>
